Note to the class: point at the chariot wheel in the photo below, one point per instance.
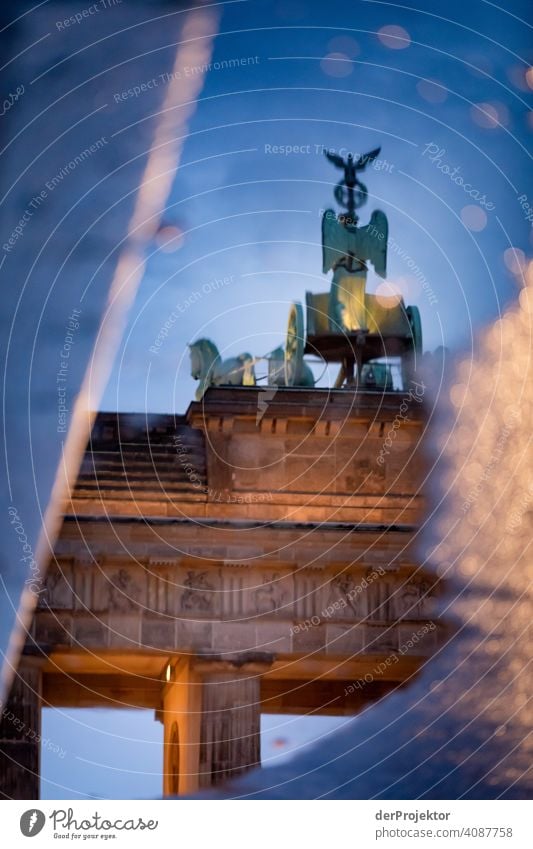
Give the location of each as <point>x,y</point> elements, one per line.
<point>294,346</point>
<point>413,315</point>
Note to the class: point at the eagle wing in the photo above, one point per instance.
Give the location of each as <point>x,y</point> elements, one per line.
<point>365,158</point>
<point>373,241</point>
<point>334,241</point>
<point>336,160</point>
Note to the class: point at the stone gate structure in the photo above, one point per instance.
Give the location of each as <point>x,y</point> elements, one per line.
<point>255,555</point>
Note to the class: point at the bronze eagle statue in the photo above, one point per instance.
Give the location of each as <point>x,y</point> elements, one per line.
<point>356,191</point>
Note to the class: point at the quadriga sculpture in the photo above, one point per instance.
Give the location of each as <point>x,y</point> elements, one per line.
<point>208,368</point>
<point>277,370</point>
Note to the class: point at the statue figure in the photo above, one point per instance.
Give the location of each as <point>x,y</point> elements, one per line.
<point>356,192</point>
<point>208,368</point>
<point>346,325</point>
<point>303,375</point>
<point>199,595</point>
<point>123,591</point>
<point>346,248</point>
<point>269,596</point>
<point>345,587</point>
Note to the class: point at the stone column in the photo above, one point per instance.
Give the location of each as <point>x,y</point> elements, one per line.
<point>211,715</point>
<point>20,734</point>
<point>230,727</point>
<point>181,715</point>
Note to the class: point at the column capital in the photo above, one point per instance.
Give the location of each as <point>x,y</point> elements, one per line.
<point>245,663</point>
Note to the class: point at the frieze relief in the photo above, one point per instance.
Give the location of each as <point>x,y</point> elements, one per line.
<point>199,593</point>
<point>118,588</point>
<point>345,597</point>
<point>272,593</point>
<point>414,599</point>
<point>237,592</point>
<point>125,589</point>
<point>57,592</point>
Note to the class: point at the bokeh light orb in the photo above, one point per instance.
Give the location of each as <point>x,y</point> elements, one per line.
<point>518,76</point>
<point>474,218</point>
<point>394,37</point>
<point>515,260</point>
<point>388,294</point>
<point>432,91</point>
<point>336,65</point>
<point>489,116</point>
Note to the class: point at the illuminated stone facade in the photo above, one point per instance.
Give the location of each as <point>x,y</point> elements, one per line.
<point>256,555</point>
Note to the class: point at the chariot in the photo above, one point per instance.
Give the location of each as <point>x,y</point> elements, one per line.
<point>391,330</point>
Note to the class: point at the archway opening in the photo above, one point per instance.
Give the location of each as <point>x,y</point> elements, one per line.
<point>100,753</point>
<point>283,736</point>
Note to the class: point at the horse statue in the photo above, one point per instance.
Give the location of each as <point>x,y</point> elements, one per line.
<point>208,368</point>
<point>277,374</point>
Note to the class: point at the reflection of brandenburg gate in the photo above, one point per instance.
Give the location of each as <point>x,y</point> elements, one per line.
<point>252,556</point>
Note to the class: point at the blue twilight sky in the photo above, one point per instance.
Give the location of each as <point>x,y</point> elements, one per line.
<point>118,754</point>
<point>447,96</point>
<point>316,74</point>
